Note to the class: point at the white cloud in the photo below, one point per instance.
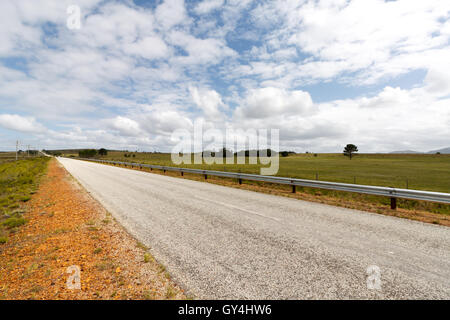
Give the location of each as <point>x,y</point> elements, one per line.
<point>149,48</point>
<point>209,101</point>
<point>357,36</point>
<point>272,102</point>
<point>207,6</point>
<point>200,51</point>
<point>438,81</point>
<point>164,122</point>
<point>22,124</point>
<point>137,73</point>
<point>125,126</point>
<point>171,13</point>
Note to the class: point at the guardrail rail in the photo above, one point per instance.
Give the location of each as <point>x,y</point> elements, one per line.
<point>392,193</point>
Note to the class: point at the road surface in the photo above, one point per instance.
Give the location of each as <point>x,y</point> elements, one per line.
<point>224,243</point>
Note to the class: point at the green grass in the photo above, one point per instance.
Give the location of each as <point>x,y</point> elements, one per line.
<point>147,257</point>
<point>18,181</point>
<point>13,222</point>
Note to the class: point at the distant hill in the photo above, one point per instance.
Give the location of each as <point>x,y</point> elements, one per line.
<point>443,151</point>
<point>404,152</point>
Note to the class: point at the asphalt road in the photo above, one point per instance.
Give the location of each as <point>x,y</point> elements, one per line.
<point>225,243</point>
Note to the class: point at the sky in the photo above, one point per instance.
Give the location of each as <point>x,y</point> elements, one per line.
<point>325,72</point>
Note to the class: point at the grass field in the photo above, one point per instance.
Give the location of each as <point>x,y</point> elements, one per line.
<point>18,181</point>
<point>11,156</point>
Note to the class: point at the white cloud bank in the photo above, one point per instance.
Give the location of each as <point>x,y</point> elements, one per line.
<point>21,124</point>
<point>131,75</point>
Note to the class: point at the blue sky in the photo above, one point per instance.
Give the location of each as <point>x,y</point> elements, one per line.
<point>326,73</point>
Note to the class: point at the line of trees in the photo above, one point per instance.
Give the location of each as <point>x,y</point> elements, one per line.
<point>349,151</point>
<point>90,153</point>
<point>87,153</point>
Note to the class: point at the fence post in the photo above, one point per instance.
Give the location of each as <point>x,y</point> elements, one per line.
<point>393,203</point>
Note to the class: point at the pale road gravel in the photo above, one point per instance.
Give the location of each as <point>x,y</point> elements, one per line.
<point>225,243</point>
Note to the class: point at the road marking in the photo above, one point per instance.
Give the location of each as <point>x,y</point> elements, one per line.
<point>237,208</point>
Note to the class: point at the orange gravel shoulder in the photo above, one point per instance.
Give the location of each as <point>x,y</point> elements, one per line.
<point>68,230</point>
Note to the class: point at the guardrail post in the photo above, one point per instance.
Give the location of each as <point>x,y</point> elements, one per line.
<point>393,203</point>
<point>240,181</point>
<point>293,188</point>
<point>206,177</point>
<point>182,173</point>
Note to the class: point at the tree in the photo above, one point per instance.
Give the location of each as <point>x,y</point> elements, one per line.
<point>103,152</point>
<point>349,150</point>
<point>89,153</point>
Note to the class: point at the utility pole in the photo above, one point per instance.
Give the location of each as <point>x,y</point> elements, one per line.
<point>17,149</point>
<point>28,151</point>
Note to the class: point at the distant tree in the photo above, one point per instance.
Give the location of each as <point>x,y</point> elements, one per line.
<point>226,153</point>
<point>349,150</point>
<point>284,153</point>
<point>88,153</point>
<point>103,152</point>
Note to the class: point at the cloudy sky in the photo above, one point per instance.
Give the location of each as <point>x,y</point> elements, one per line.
<point>326,73</point>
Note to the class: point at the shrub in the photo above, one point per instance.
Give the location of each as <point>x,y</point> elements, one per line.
<point>14,222</point>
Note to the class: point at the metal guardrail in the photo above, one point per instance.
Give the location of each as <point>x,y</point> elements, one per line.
<point>392,193</point>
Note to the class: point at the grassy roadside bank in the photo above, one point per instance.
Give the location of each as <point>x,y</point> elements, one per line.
<point>19,180</point>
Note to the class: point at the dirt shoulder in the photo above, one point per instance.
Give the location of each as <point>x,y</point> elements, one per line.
<point>67,231</point>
